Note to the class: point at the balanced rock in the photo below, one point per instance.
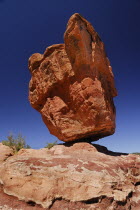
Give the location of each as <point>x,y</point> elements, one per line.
<point>81,176</point>
<point>72,85</point>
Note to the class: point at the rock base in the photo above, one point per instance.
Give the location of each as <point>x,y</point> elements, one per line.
<point>70,177</point>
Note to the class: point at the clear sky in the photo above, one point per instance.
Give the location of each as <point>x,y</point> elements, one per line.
<point>29,26</point>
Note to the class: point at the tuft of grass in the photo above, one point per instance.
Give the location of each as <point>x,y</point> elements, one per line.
<point>16,143</point>
<point>136,153</point>
<point>50,145</point>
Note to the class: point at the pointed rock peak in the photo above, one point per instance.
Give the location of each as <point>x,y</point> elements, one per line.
<point>77,19</point>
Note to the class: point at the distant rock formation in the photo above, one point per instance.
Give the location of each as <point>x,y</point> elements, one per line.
<point>72,85</point>
<point>70,176</point>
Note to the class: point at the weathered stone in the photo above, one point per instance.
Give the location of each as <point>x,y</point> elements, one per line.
<point>5,152</point>
<point>72,85</point>
<point>73,177</point>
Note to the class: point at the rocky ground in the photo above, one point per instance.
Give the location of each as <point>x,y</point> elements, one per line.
<point>69,177</point>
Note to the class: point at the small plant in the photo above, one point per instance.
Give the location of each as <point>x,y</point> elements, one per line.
<point>50,145</point>
<point>136,153</point>
<point>16,143</point>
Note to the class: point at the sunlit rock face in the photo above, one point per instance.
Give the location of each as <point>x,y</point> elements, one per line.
<point>75,177</point>
<point>5,152</point>
<point>72,85</point>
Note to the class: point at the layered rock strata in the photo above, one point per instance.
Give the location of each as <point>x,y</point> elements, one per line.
<point>72,85</point>
<point>73,177</point>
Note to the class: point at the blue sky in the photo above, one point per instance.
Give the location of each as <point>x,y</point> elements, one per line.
<point>29,26</point>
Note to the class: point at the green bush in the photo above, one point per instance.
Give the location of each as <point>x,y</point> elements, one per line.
<point>16,143</point>
<point>50,145</point>
<point>136,153</point>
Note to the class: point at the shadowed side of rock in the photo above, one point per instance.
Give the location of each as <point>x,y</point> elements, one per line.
<point>72,85</point>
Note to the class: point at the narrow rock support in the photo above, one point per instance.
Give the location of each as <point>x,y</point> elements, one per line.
<point>72,85</point>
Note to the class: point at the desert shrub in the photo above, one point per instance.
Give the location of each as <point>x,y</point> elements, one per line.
<point>50,145</point>
<point>136,153</point>
<point>16,143</point>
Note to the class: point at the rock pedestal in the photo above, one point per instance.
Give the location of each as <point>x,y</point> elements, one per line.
<point>72,85</point>
<point>71,177</point>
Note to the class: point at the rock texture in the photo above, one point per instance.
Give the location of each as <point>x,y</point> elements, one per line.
<point>72,177</point>
<point>5,152</point>
<point>72,85</point>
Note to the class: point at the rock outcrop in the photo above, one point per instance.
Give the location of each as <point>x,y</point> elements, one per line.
<point>72,85</point>
<point>72,177</point>
<point>5,152</point>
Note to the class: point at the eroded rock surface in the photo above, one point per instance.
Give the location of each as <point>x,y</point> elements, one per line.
<point>5,152</point>
<point>72,177</point>
<point>72,85</point>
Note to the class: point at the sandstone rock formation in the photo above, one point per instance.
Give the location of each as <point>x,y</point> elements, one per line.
<point>72,85</point>
<point>72,177</point>
<point>5,152</point>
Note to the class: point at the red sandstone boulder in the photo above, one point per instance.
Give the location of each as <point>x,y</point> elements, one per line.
<point>73,177</point>
<point>72,85</point>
